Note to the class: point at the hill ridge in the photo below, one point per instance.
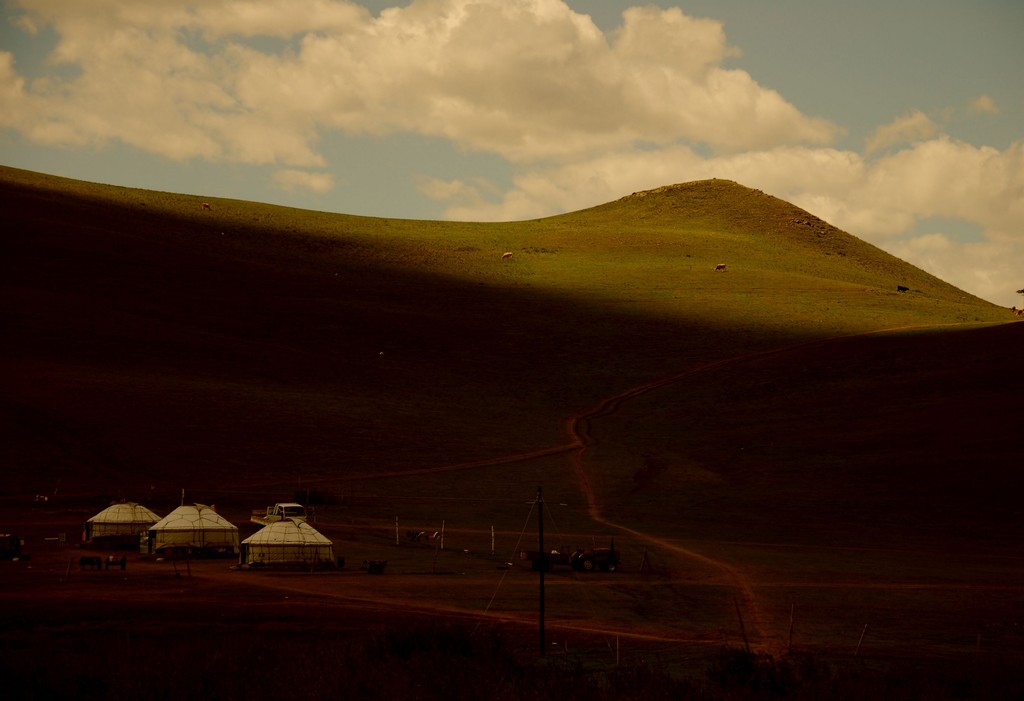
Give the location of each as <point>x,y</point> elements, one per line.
<point>714,219</point>
<point>740,223</point>
<point>724,208</point>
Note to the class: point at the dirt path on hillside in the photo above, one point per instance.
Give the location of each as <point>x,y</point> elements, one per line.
<point>766,633</point>
<point>579,428</point>
<point>411,472</point>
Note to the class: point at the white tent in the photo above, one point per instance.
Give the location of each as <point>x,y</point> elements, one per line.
<point>287,542</point>
<point>120,522</point>
<point>195,528</point>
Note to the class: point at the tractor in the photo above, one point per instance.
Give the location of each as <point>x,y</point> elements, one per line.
<point>590,559</point>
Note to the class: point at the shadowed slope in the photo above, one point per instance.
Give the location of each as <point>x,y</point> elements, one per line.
<point>154,339</point>
<point>885,439</point>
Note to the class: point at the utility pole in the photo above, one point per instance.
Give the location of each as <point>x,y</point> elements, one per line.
<point>543,561</point>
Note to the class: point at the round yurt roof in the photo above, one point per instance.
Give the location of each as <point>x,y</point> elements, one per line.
<point>125,512</point>
<point>287,532</point>
<point>193,517</point>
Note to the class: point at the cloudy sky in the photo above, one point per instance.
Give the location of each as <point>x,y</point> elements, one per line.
<point>900,121</point>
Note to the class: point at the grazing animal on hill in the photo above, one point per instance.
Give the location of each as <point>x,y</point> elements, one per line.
<point>205,205</point>
<point>721,268</point>
<point>901,288</point>
<point>506,255</point>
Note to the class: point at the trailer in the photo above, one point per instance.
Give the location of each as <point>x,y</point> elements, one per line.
<point>579,559</point>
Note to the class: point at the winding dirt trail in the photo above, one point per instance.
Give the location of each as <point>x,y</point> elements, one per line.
<point>579,430</point>
<point>577,427</point>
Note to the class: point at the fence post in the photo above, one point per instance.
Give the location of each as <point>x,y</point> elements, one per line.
<point>792,610</point>
<point>865,630</point>
<point>743,630</point>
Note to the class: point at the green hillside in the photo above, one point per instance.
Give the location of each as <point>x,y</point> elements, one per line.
<point>153,335</point>
<point>792,431</point>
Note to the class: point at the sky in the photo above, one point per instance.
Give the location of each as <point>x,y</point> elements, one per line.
<point>899,121</point>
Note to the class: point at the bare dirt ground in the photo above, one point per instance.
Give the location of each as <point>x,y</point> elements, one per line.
<point>51,595</point>
<point>684,615</point>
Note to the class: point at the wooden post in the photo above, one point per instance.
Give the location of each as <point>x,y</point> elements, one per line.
<point>397,542</point>
<point>789,647</point>
<point>442,534</point>
<point>492,541</point>
<point>743,630</point>
<point>543,562</point>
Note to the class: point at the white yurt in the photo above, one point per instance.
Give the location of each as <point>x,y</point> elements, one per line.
<point>194,528</point>
<point>119,525</point>
<point>287,542</point>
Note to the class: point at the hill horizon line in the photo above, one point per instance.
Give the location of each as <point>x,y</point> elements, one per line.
<point>702,198</point>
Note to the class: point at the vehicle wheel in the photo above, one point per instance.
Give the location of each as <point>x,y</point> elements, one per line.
<point>612,566</point>
<point>588,564</point>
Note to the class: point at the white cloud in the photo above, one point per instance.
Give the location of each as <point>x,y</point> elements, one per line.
<point>983,104</point>
<point>214,19</point>
<point>946,178</point>
<point>12,87</point>
<point>291,180</point>
<point>530,81</point>
<point>908,128</point>
<point>987,269</point>
<point>460,194</point>
<point>273,18</point>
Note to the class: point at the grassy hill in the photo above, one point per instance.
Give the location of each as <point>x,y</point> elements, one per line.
<point>154,336</point>
<point>772,420</point>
